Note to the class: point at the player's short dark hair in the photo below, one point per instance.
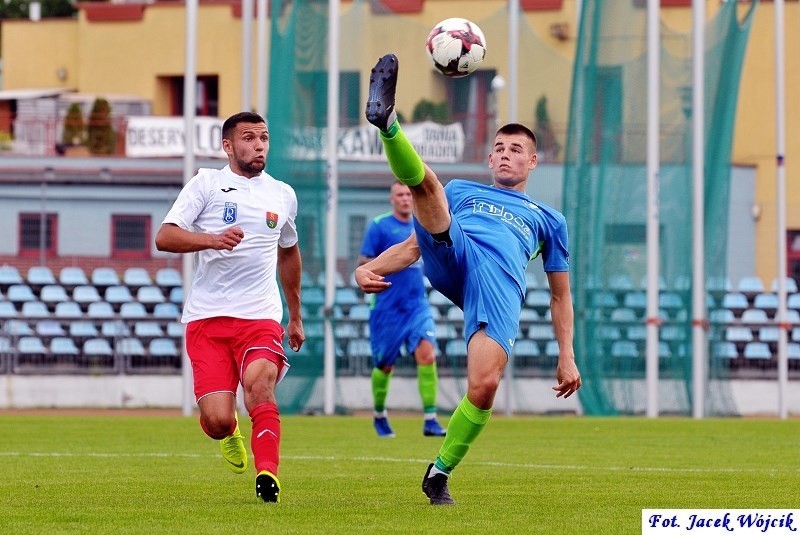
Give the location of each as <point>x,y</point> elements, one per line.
<point>242,117</point>
<point>516,128</point>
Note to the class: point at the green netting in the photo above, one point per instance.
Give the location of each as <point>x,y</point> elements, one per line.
<point>605,196</point>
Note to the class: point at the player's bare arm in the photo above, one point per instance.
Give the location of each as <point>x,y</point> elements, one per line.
<point>370,276</point>
<point>290,267</point>
<point>567,375</point>
<point>173,239</point>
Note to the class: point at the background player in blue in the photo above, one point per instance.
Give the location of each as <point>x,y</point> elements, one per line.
<point>476,241</point>
<point>400,317</point>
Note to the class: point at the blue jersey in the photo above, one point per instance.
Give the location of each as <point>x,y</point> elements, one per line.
<point>494,233</point>
<point>408,289</point>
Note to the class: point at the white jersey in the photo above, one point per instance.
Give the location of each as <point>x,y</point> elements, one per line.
<point>240,283</point>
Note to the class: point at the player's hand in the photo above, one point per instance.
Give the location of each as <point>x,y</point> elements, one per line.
<point>369,282</point>
<point>296,335</point>
<point>228,239</point>
<point>569,380</point>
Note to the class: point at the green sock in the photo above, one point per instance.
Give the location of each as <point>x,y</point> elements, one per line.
<point>463,428</point>
<point>427,380</point>
<point>404,161</point>
<point>380,387</point>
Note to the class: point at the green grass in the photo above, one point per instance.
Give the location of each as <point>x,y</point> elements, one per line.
<point>119,473</point>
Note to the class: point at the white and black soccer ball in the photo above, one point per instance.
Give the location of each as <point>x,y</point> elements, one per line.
<point>457,47</point>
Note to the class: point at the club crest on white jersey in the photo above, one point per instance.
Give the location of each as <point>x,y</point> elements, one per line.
<point>229,213</point>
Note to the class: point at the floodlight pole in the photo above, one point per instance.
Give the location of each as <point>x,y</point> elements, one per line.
<point>247,55</point>
<point>699,344</point>
<point>189,110</point>
<point>653,231</point>
<point>780,200</point>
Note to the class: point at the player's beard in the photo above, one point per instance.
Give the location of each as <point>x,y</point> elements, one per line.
<point>251,168</point>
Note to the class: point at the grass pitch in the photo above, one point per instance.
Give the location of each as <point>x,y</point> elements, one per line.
<point>121,473</point>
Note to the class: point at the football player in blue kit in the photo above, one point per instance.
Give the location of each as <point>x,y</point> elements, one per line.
<point>476,242</point>
<point>400,317</point>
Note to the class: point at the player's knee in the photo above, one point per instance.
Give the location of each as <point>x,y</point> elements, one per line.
<point>484,387</point>
<point>218,426</point>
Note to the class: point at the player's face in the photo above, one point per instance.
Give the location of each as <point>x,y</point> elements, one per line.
<point>401,200</point>
<point>511,160</point>
<point>247,149</point>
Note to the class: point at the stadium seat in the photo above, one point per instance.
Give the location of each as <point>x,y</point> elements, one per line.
<point>133,310</point>
<point>163,348</point>
<point>620,282</point>
<point>314,329</point>
<point>673,333</point>
<point>624,349</point>
<point>636,332</point>
<point>455,314</point>
<point>63,346</point>
<point>167,311</point>
<point>635,300</point>
<point>721,316</point>
<point>738,334</point>
<point>338,280</point>
<point>793,301</point>
<point>136,277</point>
<point>664,350</point>
<point>346,296</point>
<point>753,316</point>
<point>82,330</point>
<point>736,302</point>
<point>100,310</point>
<point>791,285</point>
<point>147,329</point>
<point>31,345</point>
<point>599,300</point>
<point>129,347</point>
<point>623,315</point>
<point>176,295</point>
<point>358,347</point>
<point>757,350</point>
<point>97,347</point>
<point>551,348</point>
<point>767,302</point>
<point>114,329</point>
<point>456,348</point>
<point>5,345</point>
<point>725,350</point>
<point>445,331</point>
<point>526,348</point>
<point>48,329</point>
<point>796,334</point>
<point>8,310</point>
<point>793,350</point>
<point>719,285</point>
<point>52,294</point>
<point>792,316</point>
<point>682,283</point>
<point>72,276</point>
<point>103,277</point>
<point>168,278</point>
<point>769,334</point>
<point>750,285</point>
<point>84,295</point>
<point>175,329</point>
<point>538,300</point>
<point>345,330</point>
<point>670,301</point>
<point>150,296</point>
<point>662,283</point>
<point>528,316</point>
<point>17,328</point>
<point>437,299</point>
<point>116,295</point>
<point>39,276</point>
<point>34,309</point>
<point>20,293</point>
<point>531,282</point>
<point>361,312</point>
<point>314,296</point>
<point>306,280</point>
<point>541,332</point>
<point>9,275</point>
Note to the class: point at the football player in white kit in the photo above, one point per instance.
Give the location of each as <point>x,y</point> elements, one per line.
<point>240,224</point>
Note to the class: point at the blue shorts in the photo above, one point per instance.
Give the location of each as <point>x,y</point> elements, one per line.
<point>465,274</point>
<point>389,330</point>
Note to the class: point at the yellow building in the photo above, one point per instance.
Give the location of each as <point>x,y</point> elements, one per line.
<point>138,49</point>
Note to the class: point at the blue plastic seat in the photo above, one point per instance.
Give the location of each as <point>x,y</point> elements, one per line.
<point>39,276</point>
<point>31,345</point>
<point>793,350</point>
<point>150,296</point>
<point>34,309</point>
<point>620,282</point>
<point>346,296</point>
<point>541,331</point>
<point>361,312</point>
<point>82,329</point>
<point>445,331</point>
<point>163,347</point>
<point>135,277</point>
<point>738,334</point>
<point>526,348</point>
<point>49,329</point>
<point>116,295</point>
<point>635,300</point>
<point>63,346</point>
<point>53,294</point>
<point>17,328</point>
<point>72,276</point>
<point>769,334</point>
<point>757,350</point>
<point>455,314</point>
<point>129,347</point>
<point>725,350</point>
<point>358,347</point>
<point>8,310</point>
<point>750,285</point>
<point>551,348</point>
<point>456,348</point>
<point>754,316</point>
<point>114,329</point>
<point>147,329</point>
<point>735,301</point>
<point>766,301</point>
<point>624,349</point>
<point>601,300</point>
<point>133,310</point>
<point>168,278</point>
<point>538,300</point>
<point>97,347</point>
<point>176,295</point>
<point>105,276</point>
<point>531,282</point>
<point>100,310</point>
<point>623,315</point>
<point>721,316</point>
<point>175,329</point>
<point>9,275</point>
<point>166,310</point>
<point>20,293</point>
<point>670,301</point>
<point>791,285</point>
<point>84,295</point>
<point>793,301</point>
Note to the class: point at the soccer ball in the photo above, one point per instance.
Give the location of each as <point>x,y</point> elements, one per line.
<point>456,47</point>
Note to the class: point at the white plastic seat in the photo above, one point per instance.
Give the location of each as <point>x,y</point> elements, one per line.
<point>8,310</point>
<point>17,328</point>
<point>168,278</point>
<point>526,348</point>
<point>97,347</point>
<point>116,295</point>
<point>20,293</point>
<point>53,294</point>
<point>49,329</point>
<point>31,345</point>
<point>624,349</point>
<point>72,276</point>
<point>133,310</point>
<point>754,316</point>
<point>359,312</point>
<point>34,309</point>
<point>100,309</point>
<point>135,277</point>
<point>359,347</point>
<point>725,350</point>
<point>129,347</point>
<point>104,277</point>
<point>82,329</point>
<point>9,275</point>
<point>757,350</point>
<point>39,276</point>
<point>63,346</point>
<point>166,310</point>
<point>456,348</point>
<point>85,295</point>
<point>162,347</point>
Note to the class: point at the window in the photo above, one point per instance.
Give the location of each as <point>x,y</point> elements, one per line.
<point>793,255</point>
<point>206,95</point>
<point>470,103</point>
<point>31,240</point>
<point>130,236</point>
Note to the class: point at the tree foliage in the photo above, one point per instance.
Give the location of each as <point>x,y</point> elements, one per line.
<point>101,138</point>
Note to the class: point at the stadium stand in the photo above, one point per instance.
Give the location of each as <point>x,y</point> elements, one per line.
<point>9,275</point>
<point>39,276</point>
<point>69,277</point>
<point>136,277</point>
<point>103,277</point>
<point>167,278</point>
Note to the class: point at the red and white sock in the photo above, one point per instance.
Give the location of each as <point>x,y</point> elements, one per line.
<point>266,438</point>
